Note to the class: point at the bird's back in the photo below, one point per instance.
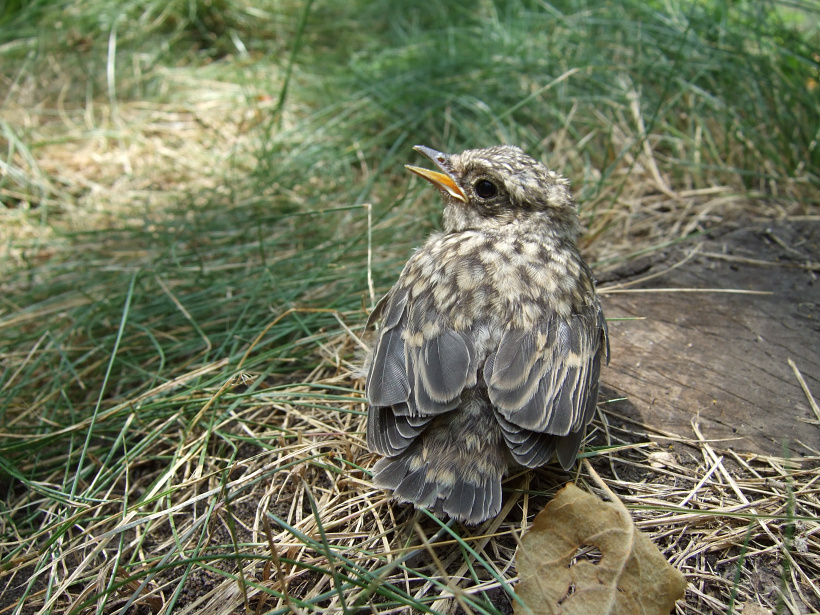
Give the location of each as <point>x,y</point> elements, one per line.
<point>447,335</point>
<point>491,341</point>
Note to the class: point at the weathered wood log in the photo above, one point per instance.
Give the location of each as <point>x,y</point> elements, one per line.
<point>722,356</point>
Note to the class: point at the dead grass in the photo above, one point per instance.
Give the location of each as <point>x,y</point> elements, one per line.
<point>182,524</point>
<point>224,485</point>
<point>184,521</point>
<point>98,166</point>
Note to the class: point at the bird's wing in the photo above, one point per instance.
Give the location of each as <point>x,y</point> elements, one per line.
<point>419,368</point>
<point>543,383</point>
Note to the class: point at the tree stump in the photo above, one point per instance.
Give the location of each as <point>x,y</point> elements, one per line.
<point>722,357</point>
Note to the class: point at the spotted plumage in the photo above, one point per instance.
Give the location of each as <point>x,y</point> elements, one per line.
<point>491,341</point>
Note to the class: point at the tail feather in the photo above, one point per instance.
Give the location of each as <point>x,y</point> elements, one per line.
<point>427,494</point>
<point>414,487</point>
<point>479,509</point>
<point>454,466</point>
<point>390,471</point>
<point>460,502</point>
<point>460,493</point>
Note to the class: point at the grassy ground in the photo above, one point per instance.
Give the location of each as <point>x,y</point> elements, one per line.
<point>201,199</point>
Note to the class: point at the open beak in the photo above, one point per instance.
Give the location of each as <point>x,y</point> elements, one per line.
<point>444,180</point>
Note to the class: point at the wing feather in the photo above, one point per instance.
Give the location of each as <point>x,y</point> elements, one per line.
<point>529,448</point>
<point>395,307</point>
<point>419,369</point>
<point>563,412</point>
<point>566,449</point>
<point>592,399</point>
<point>391,434</point>
<point>387,383</point>
<point>445,365</point>
<point>536,450</point>
<point>542,382</point>
<point>426,405</point>
<point>544,385</point>
<point>536,413</point>
<point>514,361</point>
<point>377,311</point>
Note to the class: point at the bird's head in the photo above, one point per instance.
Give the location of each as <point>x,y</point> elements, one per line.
<point>497,186</point>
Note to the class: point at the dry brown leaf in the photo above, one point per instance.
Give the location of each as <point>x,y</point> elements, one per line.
<point>632,576</point>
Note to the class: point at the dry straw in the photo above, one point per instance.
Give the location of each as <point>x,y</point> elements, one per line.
<point>182,417</point>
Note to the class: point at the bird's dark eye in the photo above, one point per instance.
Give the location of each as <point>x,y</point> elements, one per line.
<point>485,189</point>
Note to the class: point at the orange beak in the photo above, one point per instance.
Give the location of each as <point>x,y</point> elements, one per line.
<point>444,181</point>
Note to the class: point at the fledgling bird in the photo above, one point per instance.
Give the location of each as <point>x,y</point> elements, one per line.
<point>491,341</point>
